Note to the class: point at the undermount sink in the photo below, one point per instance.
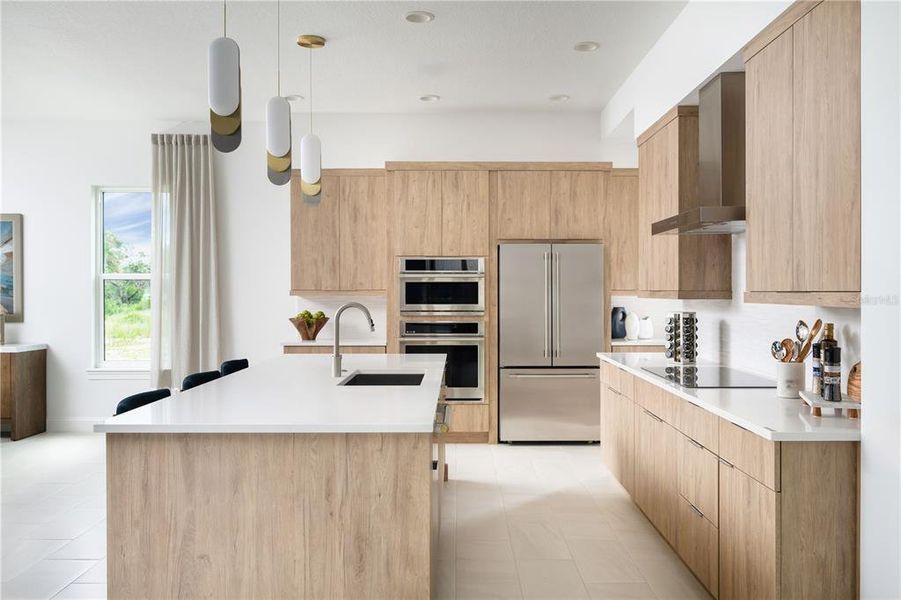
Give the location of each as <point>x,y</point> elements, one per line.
<point>383,378</point>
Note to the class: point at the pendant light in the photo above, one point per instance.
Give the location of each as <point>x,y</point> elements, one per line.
<point>310,146</point>
<point>224,66</point>
<point>278,122</point>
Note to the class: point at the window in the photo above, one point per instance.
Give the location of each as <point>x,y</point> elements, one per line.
<point>122,250</point>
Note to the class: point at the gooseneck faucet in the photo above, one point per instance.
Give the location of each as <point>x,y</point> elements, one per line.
<point>336,355</point>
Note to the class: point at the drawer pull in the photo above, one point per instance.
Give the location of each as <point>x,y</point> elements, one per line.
<point>652,415</point>
<point>726,462</point>
<point>695,444</point>
<point>695,508</point>
<point>610,389</point>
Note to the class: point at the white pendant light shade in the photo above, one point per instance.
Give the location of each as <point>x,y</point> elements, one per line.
<point>310,162</point>
<point>225,78</point>
<point>224,63</point>
<point>278,126</point>
<point>278,140</point>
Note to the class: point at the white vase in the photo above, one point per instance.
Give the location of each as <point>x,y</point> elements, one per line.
<point>645,328</point>
<point>632,326</point>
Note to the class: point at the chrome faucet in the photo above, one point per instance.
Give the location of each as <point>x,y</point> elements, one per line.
<point>336,356</point>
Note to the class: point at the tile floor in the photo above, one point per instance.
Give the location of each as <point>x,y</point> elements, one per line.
<point>517,522</point>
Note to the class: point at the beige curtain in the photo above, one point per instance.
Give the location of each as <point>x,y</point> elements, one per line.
<point>184,291</point>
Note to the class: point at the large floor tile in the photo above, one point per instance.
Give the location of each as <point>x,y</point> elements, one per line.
<point>487,579</point>
<point>485,550</point>
<point>96,574</point>
<point>89,545</point>
<point>604,561</point>
<point>19,554</point>
<point>550,579</point>
<point>85,591</point>
<point>44,579</point>
<point>537,538</point>
<point>620,591</point>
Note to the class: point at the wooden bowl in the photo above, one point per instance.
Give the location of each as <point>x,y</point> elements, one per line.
<point>307,332</point>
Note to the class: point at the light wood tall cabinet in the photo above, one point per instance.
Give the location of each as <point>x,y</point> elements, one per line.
<point>619,226</point>
<point>752,518</point>
<point>524,205</point>
<point>676,266</point>
<point>803,157</point>
<point>340,244</point>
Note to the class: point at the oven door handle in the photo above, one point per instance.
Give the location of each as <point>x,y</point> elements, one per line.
<point>469,277</point>
<point>443,340</point>
<point>553,376</point>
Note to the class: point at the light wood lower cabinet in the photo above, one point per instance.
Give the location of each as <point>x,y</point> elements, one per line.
<point>750,517</point>
<point>329,349</point>
<point>468,418</point>
<point>697,542</point>
<point>656,484</point>
<point>618,435</point>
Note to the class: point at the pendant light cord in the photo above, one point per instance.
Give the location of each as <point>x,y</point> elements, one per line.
<point>278,47</point>
<point>224,19</point>
<point>311,90</point>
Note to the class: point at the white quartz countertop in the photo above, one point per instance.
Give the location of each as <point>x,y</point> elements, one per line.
<point>296,393</point>
<point>758,410</point>
<point>12,348</point>
<point>639,342</point>
<point>375,342</point>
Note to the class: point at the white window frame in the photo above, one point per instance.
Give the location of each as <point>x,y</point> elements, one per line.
<point>101,368</point>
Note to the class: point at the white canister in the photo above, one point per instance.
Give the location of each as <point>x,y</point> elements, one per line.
<point>789,379</point>
<point>632,326</point>
<point>645,328</point>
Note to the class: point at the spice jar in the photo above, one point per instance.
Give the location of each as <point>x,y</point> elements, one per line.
<point>832,374</point>
<point>817,370</point>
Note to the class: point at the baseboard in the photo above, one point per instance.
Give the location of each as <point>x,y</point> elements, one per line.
<point>73,424</point>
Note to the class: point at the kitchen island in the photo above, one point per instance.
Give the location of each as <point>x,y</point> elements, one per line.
<point>277,482</point>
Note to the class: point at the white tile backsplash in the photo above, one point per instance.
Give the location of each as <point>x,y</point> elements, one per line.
<point>353,324</point>
<point>738,334</point>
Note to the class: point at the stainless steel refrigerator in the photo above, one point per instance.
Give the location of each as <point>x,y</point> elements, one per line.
<point>551,326</point>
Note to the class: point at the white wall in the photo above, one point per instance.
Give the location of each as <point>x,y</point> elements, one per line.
<point>50,167</point>
<point>703,37</point>
<point>738,334</point>
<point>880,513</point>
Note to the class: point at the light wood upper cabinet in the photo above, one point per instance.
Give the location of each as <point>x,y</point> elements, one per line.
<point>619,225</point>
<point>524,205</point>
<point>676,266</point>
<point>464,207</point>
<point>314,237</point>
<point>826,211</point>
<point>769,156</point>
<point>803,157</point>
<point>416,198</point>
<point>577,204</point>
<point>340,244</point>
<point>363,244</point>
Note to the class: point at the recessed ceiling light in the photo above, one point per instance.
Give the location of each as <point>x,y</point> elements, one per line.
<point>559,98</point>
<point>430,98</point>
<point>419,16</point>
<point>586,46</point>
<point>294,98</point>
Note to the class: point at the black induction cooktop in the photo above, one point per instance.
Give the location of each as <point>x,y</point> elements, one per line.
<point>710,377</point>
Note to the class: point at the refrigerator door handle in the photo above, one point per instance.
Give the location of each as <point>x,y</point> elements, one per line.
<point>547,320</point>
<point>556,307</point>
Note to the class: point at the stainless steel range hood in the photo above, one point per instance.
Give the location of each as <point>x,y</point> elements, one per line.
<point>721,148</point>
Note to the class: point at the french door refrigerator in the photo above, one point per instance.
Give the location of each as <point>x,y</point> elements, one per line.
<point>551,325</point>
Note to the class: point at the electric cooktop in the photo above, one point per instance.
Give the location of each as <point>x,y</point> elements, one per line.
<point>710,377</point>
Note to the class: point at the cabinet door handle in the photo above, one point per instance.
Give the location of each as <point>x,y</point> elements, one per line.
<point>556,271</point>
<point>726,462</point>
<point>697,511</point>
<point>610,389</point>
<point>652,415</point>
<point>695,444</point>
<point>547,303</point>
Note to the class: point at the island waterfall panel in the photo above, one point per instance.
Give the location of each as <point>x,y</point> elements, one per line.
<point>271,515</point>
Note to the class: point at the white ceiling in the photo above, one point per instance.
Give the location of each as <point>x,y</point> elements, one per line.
<point>147,60</point>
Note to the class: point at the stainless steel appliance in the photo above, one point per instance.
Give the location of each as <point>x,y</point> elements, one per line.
<point>438,285</point>
<point>551,325</point>
<point>710,377</point>
<point>464,344</point>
